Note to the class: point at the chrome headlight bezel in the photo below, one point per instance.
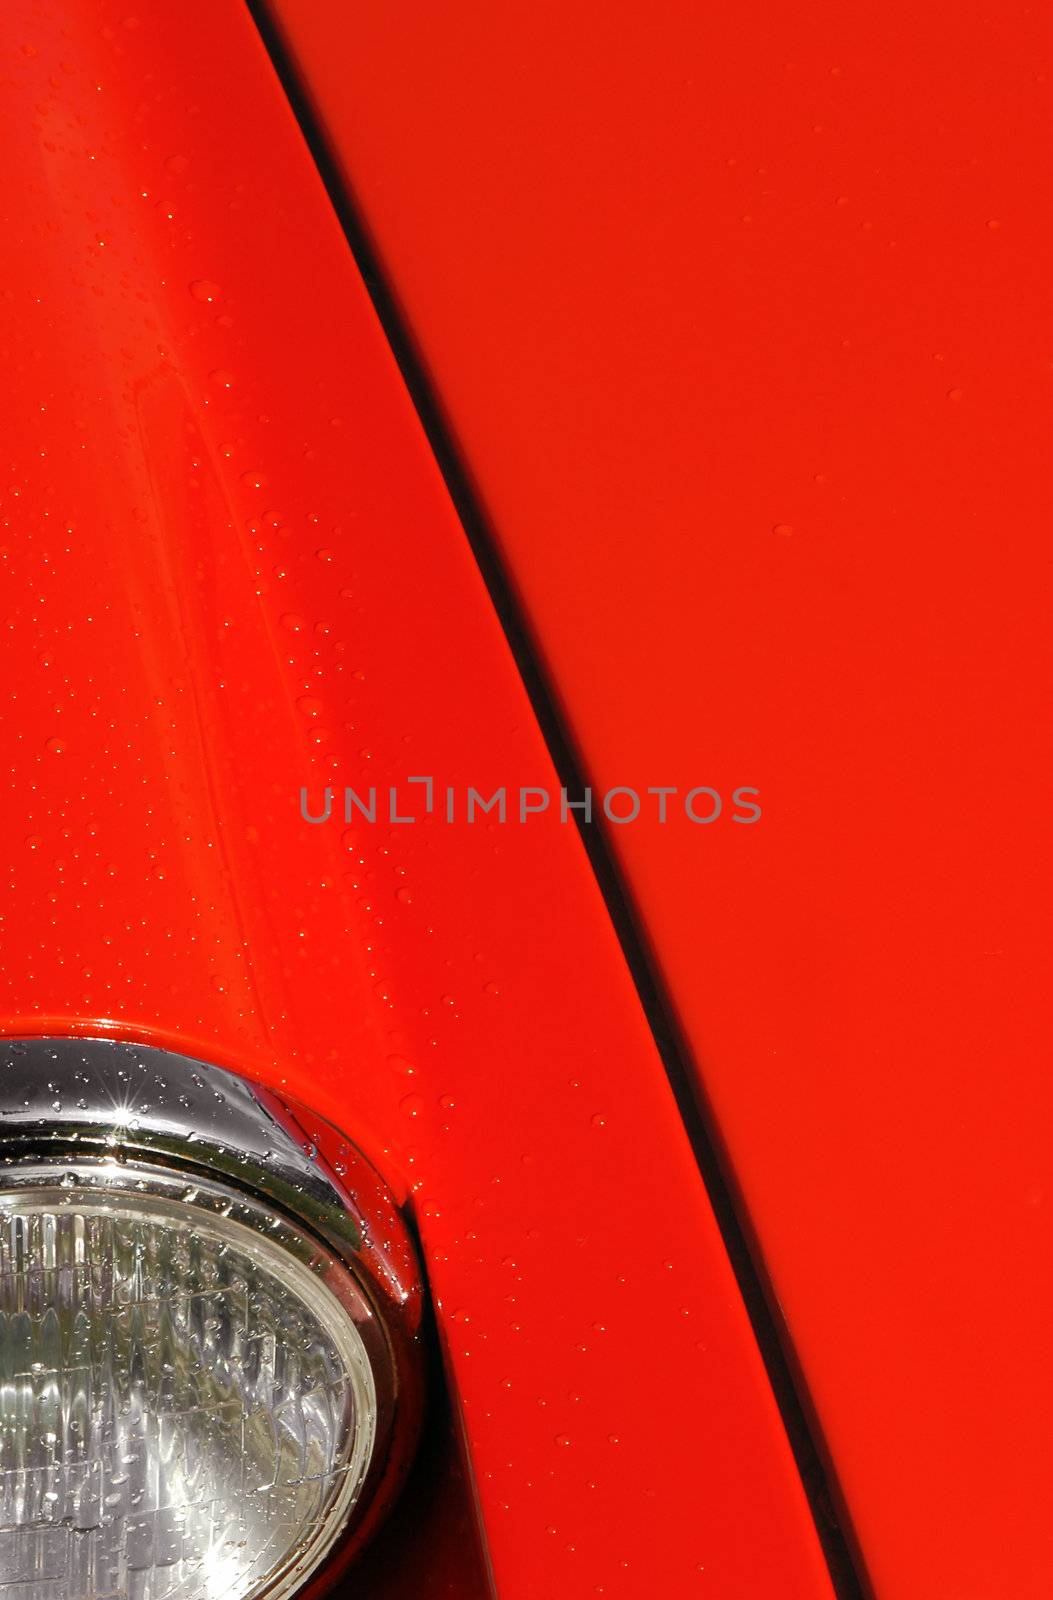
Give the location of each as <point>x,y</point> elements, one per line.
<point>98,1116</point>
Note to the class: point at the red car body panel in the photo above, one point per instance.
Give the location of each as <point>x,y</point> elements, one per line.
<point>741,321</point>
<point>231,570</point>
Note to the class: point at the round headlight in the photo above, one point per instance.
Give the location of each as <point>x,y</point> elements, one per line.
<point>208,1368</point>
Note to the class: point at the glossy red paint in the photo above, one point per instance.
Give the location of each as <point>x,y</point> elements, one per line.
<point>231,569</point>
<point>741,319</point>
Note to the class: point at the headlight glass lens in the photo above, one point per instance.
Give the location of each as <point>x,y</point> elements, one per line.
<point>187,1409</point>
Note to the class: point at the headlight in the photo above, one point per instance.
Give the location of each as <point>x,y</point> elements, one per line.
<point>208,1363</point>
